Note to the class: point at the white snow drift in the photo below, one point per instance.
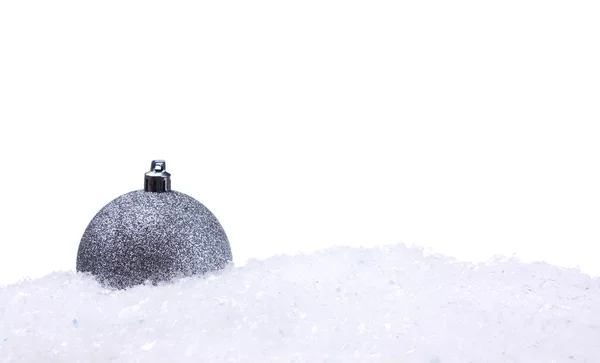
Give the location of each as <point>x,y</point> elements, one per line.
<point>393,304</point>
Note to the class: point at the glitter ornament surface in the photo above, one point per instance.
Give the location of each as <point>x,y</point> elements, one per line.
<point>151,236</point>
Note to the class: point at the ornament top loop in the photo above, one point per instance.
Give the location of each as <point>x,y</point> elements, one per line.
<point>157,180</point>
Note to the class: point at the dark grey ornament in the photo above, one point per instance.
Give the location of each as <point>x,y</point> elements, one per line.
<point>154,234</point>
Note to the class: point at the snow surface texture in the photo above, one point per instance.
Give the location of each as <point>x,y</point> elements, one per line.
<point>392,304</point>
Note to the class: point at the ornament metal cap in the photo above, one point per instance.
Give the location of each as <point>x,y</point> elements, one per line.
<point>157,180</point>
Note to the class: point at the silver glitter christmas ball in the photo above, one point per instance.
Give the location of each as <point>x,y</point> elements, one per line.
<point>154,234</point>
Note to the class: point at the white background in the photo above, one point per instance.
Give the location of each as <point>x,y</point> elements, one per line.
<point>467,127</point>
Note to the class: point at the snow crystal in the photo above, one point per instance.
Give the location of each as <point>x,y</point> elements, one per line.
<point>392,304</point>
